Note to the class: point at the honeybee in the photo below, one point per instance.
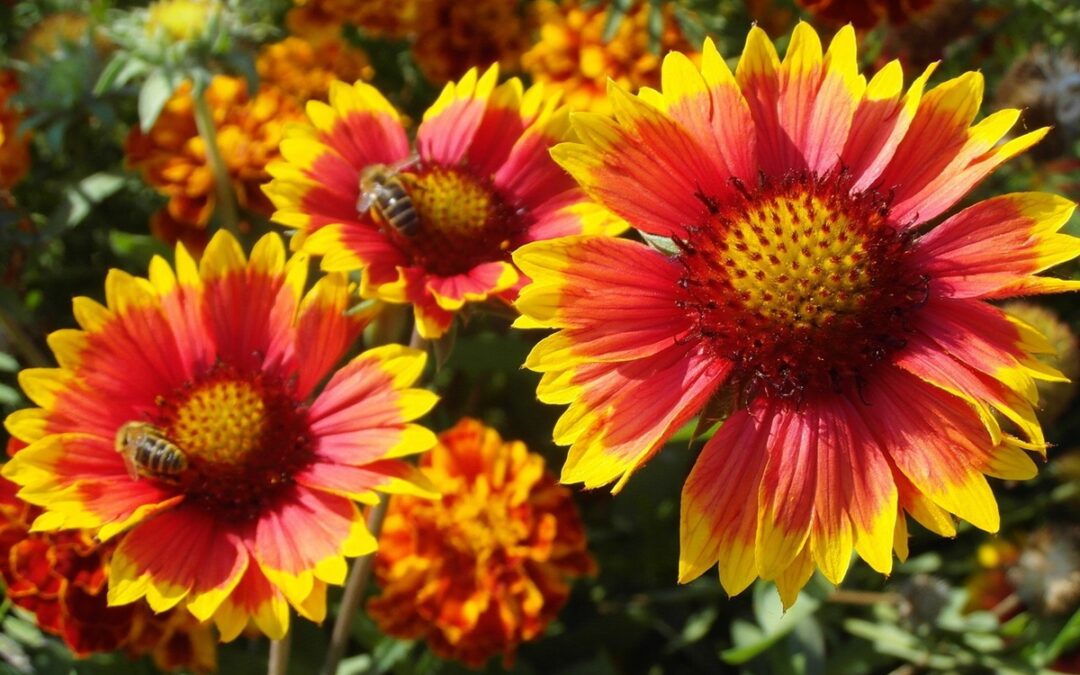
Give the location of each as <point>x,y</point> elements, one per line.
<point>381,188</point>
<point>148,453</point>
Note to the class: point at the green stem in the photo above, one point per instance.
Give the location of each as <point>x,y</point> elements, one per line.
<point>279,655</point>
<point>355,589</point>
<point>226,199</point>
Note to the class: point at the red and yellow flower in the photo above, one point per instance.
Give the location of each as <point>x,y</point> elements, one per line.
<point>487,566</point>
<point>573,56</point>
<point>481,183</point>
<point>172,155</point>
<point>799,289</point>
<point>61,579</point>
<point>222,359</point>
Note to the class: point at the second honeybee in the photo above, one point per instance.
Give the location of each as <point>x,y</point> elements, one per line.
<point>381,188</point>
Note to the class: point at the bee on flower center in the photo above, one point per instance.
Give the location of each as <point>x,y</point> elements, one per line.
<point>148,453</point>
<point>382,188</point>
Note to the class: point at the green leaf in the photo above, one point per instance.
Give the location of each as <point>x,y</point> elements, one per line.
<point>79,198</point>
<point>774,622</point>
<point>119,71</point>
<point>137,248</point>
<point>1067,637</point>
<point>23,632</point>
<point>155,93</point>
<point>8,364</point>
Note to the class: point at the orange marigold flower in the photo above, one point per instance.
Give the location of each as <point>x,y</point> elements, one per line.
<point>172,155</point>
<point>172,231</point>
<point>184,420</point>
<point>434,228</point>
<point>487,566</point>
<point>49,35</point>
<point>792,281</point>
<point>572,55</point>
<point>14,147</point>
<point>452,37</point>
<point>61,579</point>
<point>378,18</point>
<point>865,14</point>
<point>305,68</point>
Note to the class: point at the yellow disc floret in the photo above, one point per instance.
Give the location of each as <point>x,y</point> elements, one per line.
<point>222,422</point>
<point>797,261</point>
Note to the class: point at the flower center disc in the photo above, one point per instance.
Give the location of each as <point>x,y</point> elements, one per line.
<point>463,221</point>
<point>244,437</point>
<point>801,284</point>
<point>221,423</point>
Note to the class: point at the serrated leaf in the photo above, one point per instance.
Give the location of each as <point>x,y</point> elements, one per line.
<point>156,90</point>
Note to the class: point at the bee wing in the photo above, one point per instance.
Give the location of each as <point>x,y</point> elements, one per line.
<point>407,163</point>
<point>365,201</point>
<point>129,464</point>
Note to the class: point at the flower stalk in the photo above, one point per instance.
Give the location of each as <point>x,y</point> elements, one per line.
<point>226,199</point>
<point>355,589</point>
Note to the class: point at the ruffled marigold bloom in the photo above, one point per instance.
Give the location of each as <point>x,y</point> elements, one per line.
<point>487,566</point>
<point>14,147</point>
<point>865,14</point>
<point>172,155</point>
<point>305,68</point>
<point>48,36</point>
<point>1054,397</point>
<point>61,579</point>
<point>800,289</point>
<point>480,184</point>
<point>573,56</point>
<point>377,18</point>
<point>184,421</point>
<point>452,36</point>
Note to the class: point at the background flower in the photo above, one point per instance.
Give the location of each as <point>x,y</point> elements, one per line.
<point>14,145</point>
<point>172,156</point>
<point>452,37</point>
<point>479,184</point>
<point>487,566</point>
<point>574,55</point>
<point>305,68</point>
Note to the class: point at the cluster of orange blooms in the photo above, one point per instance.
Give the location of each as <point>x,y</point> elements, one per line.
<point>14,146</point>
<point>487,566</point>
<point>172,156</point>
<point>450,37</point>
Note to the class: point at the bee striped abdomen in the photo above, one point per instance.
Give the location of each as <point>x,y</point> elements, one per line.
<point>148,453</point>
<point>397,209</point>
